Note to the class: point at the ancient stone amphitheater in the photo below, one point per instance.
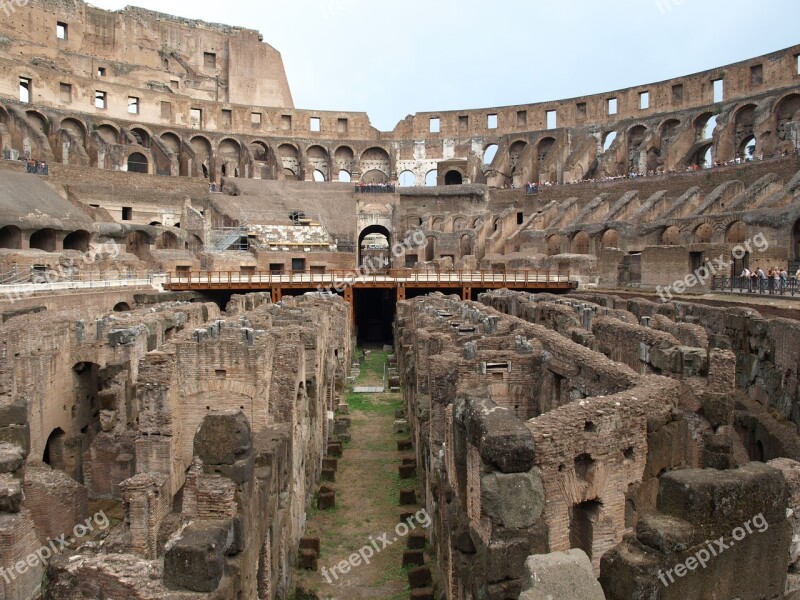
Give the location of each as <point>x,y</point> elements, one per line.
<point>592,400</point>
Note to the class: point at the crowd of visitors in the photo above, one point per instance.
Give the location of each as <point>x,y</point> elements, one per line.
<point>36,167</point>
<point>374,188</point>
<point>773,281</point>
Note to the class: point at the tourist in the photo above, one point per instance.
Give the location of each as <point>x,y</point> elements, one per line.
<point>753,280</point>
<point>762,280</point>
<point>771,280</point>
<point>783,276</point>
<point>744,278</point>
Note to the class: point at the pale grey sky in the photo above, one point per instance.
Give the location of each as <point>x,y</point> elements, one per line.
<point>392,58</point>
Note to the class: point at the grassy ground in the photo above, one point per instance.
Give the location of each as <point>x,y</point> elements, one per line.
<point>367,501</point>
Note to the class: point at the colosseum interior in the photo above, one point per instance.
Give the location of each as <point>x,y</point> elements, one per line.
<point>240,341</point>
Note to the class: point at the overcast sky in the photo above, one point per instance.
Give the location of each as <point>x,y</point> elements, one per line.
<point>393,58</point>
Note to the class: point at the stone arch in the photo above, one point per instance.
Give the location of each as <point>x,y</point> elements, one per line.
<point>453,177</point>
<point>668,130</point>
<point>465,245</point>
<point>168,241</point>
<point>108,133</point>
<point>438,224</point>
<point>345,176</point>
<point>703,233</point>
<point>489,153</point>
<point>609,239</point>
<point>138,163</point>
<point>38,120</point>
<point>580,243</point>
<point>554,245</point>
<point>376,159</point>
<point>259,151</point>
<point>787,110</point>
<point>53,453</point>
<point>121,307</point>
<point>344,154</point>
<point>515,152</point>
<point>430,248</point>
<point>74,127</point>
<point>736,233</point>
<point>77,240</point>
<point>635,137</point>
<point>701,126</point>
<point>318,176</point>
<point>744,120</point>
<point>171,141</point>
<point>44,239</point>
<point>289,157</point>
<point>201,146</point>
<point>407,179</point>
<point>460,223</point>
<point>608,139</point>
<point>543,149</point>
<point>431,178</point>
<point>374,177</point>
<point>142,136</point>
<point>363,252</point>
<point>4,118</point>
<point>747,148</point>
<point>138,243</point>
<point>671,236</point>
<point>796,240</point>
<point>229,153</point>
<point>319,160</point>
<point>11,237</point>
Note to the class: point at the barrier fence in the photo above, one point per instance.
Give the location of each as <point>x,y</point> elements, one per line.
<point>748,285</point>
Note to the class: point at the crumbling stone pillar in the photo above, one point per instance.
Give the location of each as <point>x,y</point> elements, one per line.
<point>147,503</point>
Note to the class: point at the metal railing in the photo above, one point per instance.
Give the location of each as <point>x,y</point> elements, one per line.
<point>749,285</point>
<point>393,276</point>
<point>20,290</point>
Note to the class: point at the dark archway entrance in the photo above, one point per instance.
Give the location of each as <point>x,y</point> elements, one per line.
<point>374,249</point>
<point>796,240</point>
<point>11,237</point>
<point>453,178</point>
<point>374,313</point>
<point>137,163</point>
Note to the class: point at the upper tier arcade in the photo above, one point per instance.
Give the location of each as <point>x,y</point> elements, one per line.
<point>138,90</point>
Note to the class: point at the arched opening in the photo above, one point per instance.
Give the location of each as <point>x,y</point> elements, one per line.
<point>407,179</point>
<point>317,158</point>
<point>344,176</point>
<point>259,151</point>
<point>745,121</point>
<point>610,239</point>
<point>786,111</point>
<point>636,137</point>
<point>343,159</point>
<point>668,131</point>
<point>431,178</point>
<point>75,128</point>
<point>229,155</point>
<point>319,176</point>
<point>747,148</point>
<point>38,120</point>
<point>108,133</point>
<point>290,161</point>
<point>168,241</point>
<point>554,243</point>
<point>137,163</point>
<point>430,248</point>
<point>453,178</point>
<point>155,224</point>
<point>374,177</point>
<point>737,233</point>
<point>373,248</point>
<point>141,137</point>
<point>172,142</point>
<point>608,140</point>
<point>796,240</point>
<point>702,235</point>
<point>77,240</point>
<point>704,126</point>
<point>122,307</point>
<point>201,148</point>
<point>438,224</point>
<point>466,245</point>
<point>44,239</point>
<point>580,243</point>
<point>53,454</point>
<point>489,154</point>
<point>376,159</point>
<point>583,521</point>
<point>138,244</point>
<point>11,237</point>
<point>671,236</point>
<point>707,159</point>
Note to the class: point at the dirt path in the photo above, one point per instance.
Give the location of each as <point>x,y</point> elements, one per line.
<point>367,503</point>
